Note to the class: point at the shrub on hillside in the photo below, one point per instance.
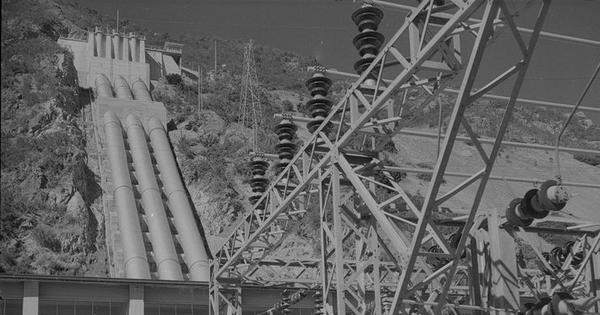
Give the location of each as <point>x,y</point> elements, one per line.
<point>591,159</point>
<point>174,79</point>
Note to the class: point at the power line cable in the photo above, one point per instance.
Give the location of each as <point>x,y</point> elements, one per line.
<point>585,90</point>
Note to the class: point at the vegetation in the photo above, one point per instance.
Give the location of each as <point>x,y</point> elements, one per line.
<point>528,124</point>
<point>44,229</point>
<point>591,159</point>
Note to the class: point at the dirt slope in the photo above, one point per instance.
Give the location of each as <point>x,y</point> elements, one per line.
<point>511,162</point>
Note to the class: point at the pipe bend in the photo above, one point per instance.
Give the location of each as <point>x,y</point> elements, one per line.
<point>140,90</point>
<point>122,89</point>
<point>103,86</point>
<point>154,124</point>
<point>133,121</point>
<point>122,186</point>
<point>111,117</point>
<point>150,189</point>
<point>136,261</point>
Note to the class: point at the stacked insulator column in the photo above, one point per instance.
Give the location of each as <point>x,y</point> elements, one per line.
<point>557,256</point>
<point>288,299</point>
<point>319,106</point>
<point>286,131</point>
<point>285,302</point>
<point>297,296</point>
<point>453,240</point>
<point>386,302</point>
<point>369,41</point>
<point>319,304</point>
<point>537,203</point>
<point>259,182</point>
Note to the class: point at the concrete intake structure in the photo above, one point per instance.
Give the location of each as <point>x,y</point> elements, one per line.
<point>122,88</point>
<point>103,86</point>
<point>191,240</point>
<point>162,241</point>
<point>136,261</point>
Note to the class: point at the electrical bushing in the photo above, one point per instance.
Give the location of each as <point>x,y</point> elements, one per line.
<point>453,239</point>
<point>319,106</point>
<point>369,41</point>
<point>319,303</point>
<point>559,254</point>
<point>286,148</point>
<point>258,182</point>
<point>286,302</point>
<point>537,204</point>
<point>386,301</point>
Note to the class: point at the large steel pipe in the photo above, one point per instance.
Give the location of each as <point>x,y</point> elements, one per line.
<point>192,242</point>
<point>136,261</point>
<point>122,88</point>
<point>160,234</point>
<point>140,91</point>
<point>103,86</point>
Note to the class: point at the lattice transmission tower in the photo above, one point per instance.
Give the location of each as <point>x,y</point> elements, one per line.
<point>250,103</point>
<point>380,251</point>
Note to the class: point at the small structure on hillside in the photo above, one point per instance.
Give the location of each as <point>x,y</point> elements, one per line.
<point>122,54</point>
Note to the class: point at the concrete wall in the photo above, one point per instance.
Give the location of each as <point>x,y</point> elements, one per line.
<point>114,55</point>
<point>113,68</point>
<point>163,63</point>
<point>126,296</point>
<point>111,54</point>
<point>79,48</point>
<point>123,108</point>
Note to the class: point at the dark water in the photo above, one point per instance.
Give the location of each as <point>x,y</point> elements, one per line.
<point>324,29</point>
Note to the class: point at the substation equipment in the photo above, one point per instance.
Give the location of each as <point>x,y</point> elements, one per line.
<point>374,259</point>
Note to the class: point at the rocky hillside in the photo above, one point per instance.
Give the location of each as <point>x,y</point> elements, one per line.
<point>51,219</point>
<point>49,224</point>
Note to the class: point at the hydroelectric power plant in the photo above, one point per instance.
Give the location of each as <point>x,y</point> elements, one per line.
<point>380,253</point>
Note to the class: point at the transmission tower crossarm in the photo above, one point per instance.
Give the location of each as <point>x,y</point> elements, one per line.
<point>364,214</point>
<point>344,138</point>
<point>272,216</point>
<point>463,100</point>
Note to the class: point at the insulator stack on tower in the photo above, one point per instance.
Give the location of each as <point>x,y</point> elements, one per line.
<point>558,255</point>
<point>258,182</point>
<point>286,148</point>
<point>453,240</point>
<point>319,106</point>
<point>537,204</point>
<point>386,302</point>
<point>287,299</point>
<point>369,41</point>
<point>319,303</point>
<point>285,302</point>
<point>297,296</point>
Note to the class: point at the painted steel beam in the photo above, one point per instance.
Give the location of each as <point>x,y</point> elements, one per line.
<point>323,164</point>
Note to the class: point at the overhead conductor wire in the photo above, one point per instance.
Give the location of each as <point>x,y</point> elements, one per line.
<point>587,87</point>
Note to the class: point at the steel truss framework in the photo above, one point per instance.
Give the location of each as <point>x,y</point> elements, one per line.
<point>373,259</point>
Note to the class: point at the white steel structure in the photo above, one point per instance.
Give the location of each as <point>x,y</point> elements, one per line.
<point>374,261</point>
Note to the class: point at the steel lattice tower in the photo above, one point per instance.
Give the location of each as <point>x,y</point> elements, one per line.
<point>249,100</point>
<point>372,260</point>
